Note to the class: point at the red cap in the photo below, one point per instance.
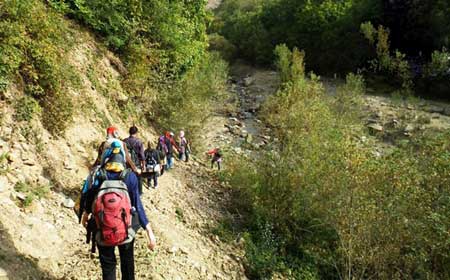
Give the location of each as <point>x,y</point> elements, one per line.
<point>112,130</point>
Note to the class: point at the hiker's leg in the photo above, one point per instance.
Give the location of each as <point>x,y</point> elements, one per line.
<point>140,184</point>
<point>212,163</point>
<point>108,262</point>
<point>155,180</point>
<point>187,156</point>
<point>126,252</point>
<point>218,164</point>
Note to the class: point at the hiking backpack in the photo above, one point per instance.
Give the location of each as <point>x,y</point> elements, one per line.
<point>133,155</point>
<point>162,146</point>
<point>113,212</point>
<point>113,156</point>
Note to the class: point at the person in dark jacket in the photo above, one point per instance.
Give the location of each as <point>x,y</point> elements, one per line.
<point>153,164</point>
<point>106,254</point>
<point>136,149</point>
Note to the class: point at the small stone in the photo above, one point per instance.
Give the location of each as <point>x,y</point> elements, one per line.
<point>409,128</point>
<point>20,196</point>
<point>435,116</point>
<point>173,250</point>
<point>68,203</point>
<point>248,81</point>
<point>29,162</point>
<point>375,127</point>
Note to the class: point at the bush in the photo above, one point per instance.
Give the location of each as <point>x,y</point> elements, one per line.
<point>34,43</point>
<point>26,107</point>
<point>189,102</point>
<point>321,205</point>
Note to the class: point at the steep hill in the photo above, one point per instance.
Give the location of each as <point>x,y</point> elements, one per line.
<point>41,174</point>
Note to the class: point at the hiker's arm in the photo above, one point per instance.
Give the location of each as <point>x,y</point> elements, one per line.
<point>99,155</point>
<point>129,160</point>
<point>141,156</point>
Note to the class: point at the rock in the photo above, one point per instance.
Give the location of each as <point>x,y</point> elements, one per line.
<point>20,196</point>
<point>435,109</point>
<point>248,81</point>
<point>249,138</point>
<point>375,127</point>
<point>29,162</point>
<point>372,121</point>
<point>244,133</point>
<point>68,203</point>
<point>4,185</point>
<point>363,139</point>
<point>14,156</point>
<point>3,273</point>
<point>172,250</point>
<point>435,116</point>
<point>409,128</point>
<point>446,111</point>
<point>68,165</point>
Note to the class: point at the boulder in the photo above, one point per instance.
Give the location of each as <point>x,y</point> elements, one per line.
<point>435,109</point>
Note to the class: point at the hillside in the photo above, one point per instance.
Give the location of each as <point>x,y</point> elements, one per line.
<point>41,174</point>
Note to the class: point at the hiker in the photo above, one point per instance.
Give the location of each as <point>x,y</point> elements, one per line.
<point>112,134</point>
<point>170,144</point>
<point>161,147</point>
<point>216,155</point>
<point>153,165</point>
<point>113,192</point>
<point>185,149</point>
<point>136,149</point>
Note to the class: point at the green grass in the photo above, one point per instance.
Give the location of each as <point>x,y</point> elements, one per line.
<point>31,191</point>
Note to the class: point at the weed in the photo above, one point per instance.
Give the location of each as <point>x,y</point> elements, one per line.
<point>4,167</point>
<point>26,107</point>
<point>31,191</point>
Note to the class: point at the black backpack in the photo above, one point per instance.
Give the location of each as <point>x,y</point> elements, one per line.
<point>151,158</point>
<point>133,155</point>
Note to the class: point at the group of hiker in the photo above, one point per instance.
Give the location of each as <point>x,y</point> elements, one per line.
<point>110,205</point>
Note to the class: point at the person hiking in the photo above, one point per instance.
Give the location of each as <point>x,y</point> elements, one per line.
<point>112,134</point>
<point>216,155</point>
<point>114,193</point>
<point>153,165</point>
<point>136,149</point>
<point>170,144</point>
<point>184,147</point>
<point>162,149</point>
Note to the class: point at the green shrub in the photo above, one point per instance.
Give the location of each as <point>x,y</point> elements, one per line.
<point>34,44</point>
<point>31,191</point>
<point>321,205</point>
<point>190,101</point>
<point>26,107</point>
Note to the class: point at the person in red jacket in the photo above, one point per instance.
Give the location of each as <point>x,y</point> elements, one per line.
<point>216,157</point>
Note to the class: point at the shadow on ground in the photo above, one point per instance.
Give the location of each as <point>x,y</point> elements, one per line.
<point>17,265</point>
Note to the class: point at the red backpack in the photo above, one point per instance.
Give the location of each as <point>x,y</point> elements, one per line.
<point>112,212</point>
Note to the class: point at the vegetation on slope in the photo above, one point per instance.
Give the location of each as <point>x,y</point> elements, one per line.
<point>321,205</point>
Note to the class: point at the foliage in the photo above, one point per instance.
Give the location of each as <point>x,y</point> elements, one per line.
<point>172,32</point>
<point>326,30</point>
<point>4,168</point>
<point>26,107</point>
<point>395,66</point>
<point>320,205</point>
<point>33,49</point>
<point>189,102</point>
<point>31,191</point>
<point>220,44</point>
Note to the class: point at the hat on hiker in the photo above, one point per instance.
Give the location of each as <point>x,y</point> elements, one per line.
<point>112,131</point>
